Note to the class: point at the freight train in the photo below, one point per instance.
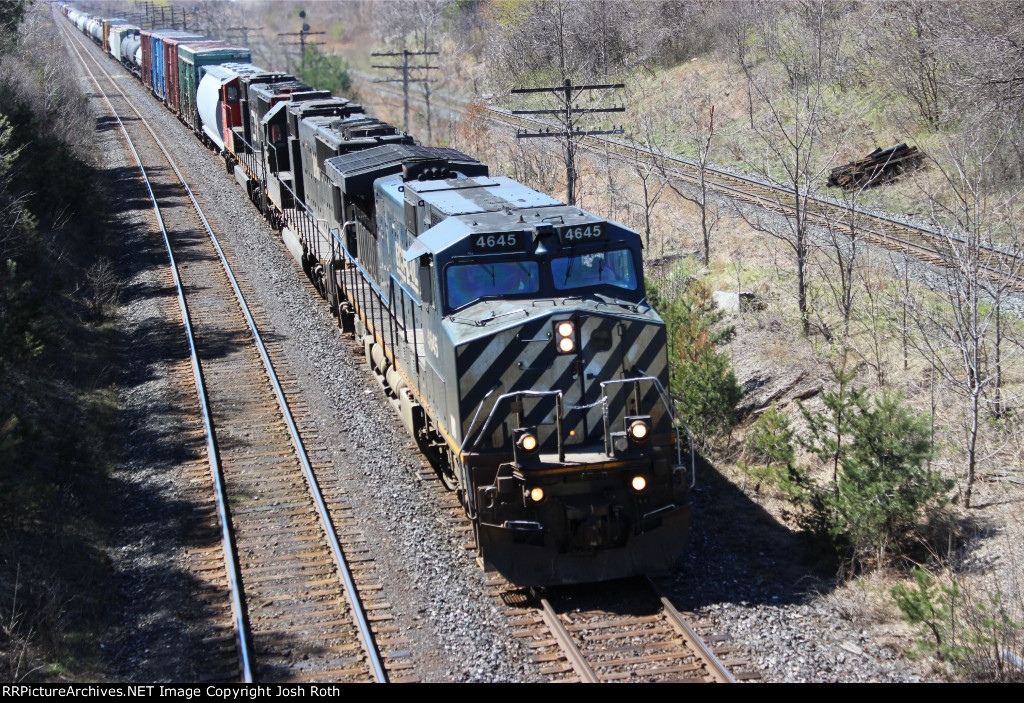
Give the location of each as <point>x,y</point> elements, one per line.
<point>510,332</point>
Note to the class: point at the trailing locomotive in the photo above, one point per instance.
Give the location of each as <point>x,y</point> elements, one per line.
<point>509,331</point>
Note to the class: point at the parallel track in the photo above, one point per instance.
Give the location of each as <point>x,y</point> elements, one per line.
<point>297,615</point>
<point>906,238</point>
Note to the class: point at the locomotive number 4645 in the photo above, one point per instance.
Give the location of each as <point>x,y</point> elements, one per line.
<point>581,233</point>
<point>508,240</point>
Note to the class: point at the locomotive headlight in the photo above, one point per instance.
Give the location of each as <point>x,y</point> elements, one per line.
<point>537,494</point>
<point>639,428</point>
<point>639,483</point>
<point>565,336</point>
<point>526,441</point>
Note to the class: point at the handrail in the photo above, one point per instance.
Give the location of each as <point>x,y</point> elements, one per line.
<point>676,420</point>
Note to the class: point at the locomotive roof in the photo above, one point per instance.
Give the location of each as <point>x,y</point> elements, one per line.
<point>289,99</point>
<point>353,132</point>
<point>457,231</point>
<point>356,172</point>
<point>324,107</point>
<point>479,195</point>
<point>266,78</point>
<point>278,86</point>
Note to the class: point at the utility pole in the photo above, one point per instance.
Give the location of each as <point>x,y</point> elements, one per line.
<point>244,31</point>
<point>567,115</point>
<point>405,80</point>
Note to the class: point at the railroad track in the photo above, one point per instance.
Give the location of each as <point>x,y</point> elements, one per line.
<point>625,631</point>
<point>880,229</point>
<point>620,632</point>
<point>291,586</point>
<point>610,632</point>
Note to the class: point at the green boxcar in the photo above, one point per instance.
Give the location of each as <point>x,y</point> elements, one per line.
<point>191,60</point>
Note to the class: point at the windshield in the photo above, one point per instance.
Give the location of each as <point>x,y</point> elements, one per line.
<point>469,282</point>
<point>609,268</point>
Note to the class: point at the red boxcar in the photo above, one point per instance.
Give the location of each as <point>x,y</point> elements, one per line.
<point>147,57</point>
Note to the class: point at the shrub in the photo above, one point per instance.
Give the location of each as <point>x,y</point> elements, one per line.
<point>702,382</point>
<point>772,442</point>
<point>978,639</point>
<point>326,71</point>
<point>881,494</point>
<point>884,489</point>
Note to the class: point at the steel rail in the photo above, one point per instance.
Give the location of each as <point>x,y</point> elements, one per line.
<point>566,642</point>
<point>828,210</point>
<point>715,667</point>
<point>230,558</point>
<point>702,654</point>
<point>359,612</point>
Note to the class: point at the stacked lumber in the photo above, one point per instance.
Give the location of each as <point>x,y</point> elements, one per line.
<point>878,167</point>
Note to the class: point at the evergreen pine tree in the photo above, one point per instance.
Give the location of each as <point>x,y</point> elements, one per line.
<point>828,433</point>
<point>702,382</point>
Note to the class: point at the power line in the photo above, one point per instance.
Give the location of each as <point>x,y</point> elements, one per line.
<point>405,80</point>
<point>567,116</point>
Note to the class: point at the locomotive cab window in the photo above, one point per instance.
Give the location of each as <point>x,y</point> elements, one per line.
<point>599,268</point>
<point>467,283</point>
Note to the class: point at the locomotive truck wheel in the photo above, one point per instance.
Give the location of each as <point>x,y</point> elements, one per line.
<point>448,479</point>
<point>346,318</point>
<point>319,280</point>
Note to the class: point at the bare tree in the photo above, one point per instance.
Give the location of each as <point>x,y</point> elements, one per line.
<point>13,214</point>
<point>960,322</point>
<point>645,164</point>
<point>842,253</point>
<point>873,322</point>
<point>793,122</point>
<point>910,37</point>
<point>414,25</point>
<point>700,130</point>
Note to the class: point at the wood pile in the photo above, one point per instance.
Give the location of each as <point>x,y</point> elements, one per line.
<point>878,167</point>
